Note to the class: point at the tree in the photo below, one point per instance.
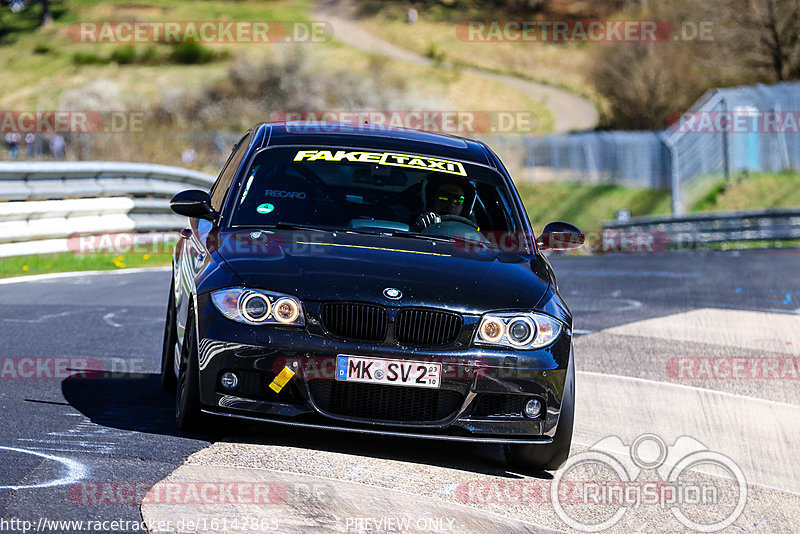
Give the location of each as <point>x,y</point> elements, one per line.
<point>643,84</point>
<point>47,16</point>
<point>764,34</point>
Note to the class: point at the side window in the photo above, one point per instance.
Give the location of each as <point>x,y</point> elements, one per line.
<point>223,184</point>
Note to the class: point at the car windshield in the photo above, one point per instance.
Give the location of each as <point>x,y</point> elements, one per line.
<point>376,192</point>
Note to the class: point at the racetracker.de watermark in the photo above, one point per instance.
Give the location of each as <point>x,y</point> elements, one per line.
<point>123,243</point>
<point>70,122</point>
<point>69,367</point>
<point>187,493</point>
<point>590,31</point>
<point>46,524</point>
<point>267,243</point>
<point>200,31</point>
<point>177,493</point>
<point>737,121</point>
<point>595,241</point>
<point>734,368</point>
<point>440,121</point>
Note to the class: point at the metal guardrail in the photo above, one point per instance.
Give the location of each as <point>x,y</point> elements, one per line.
<point>43,204</point>
<point>90,179</point>
<point>718,227</point>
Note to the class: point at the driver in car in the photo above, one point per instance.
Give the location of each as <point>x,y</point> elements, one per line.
<point>444,195</point>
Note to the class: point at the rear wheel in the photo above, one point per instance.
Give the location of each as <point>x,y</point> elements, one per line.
<point>168,378</point>
<point>187,399</point>
<point>551,456</point>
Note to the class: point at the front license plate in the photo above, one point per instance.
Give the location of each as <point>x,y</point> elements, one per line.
<point>391,372</point>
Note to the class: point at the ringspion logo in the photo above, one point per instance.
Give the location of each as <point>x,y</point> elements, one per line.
<point>703,490</point>
<point>617,485</point>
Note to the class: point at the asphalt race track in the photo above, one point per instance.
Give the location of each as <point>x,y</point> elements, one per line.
<point>699,345</point>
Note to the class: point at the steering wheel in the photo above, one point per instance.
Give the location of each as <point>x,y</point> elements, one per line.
<point>458,218</point>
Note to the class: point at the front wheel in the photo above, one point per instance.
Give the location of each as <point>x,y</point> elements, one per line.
<point>188,417</point>
<point>551,456</point>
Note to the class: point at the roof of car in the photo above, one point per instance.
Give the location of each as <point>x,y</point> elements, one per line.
<point>354,135</point>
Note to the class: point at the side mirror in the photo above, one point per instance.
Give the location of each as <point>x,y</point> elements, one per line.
<point>560,236</point>
<point>194,203</point>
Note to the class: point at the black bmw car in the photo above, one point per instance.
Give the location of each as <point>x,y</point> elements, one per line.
<point>375,280</point>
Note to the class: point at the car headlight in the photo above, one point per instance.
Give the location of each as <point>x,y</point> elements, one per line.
<point>518,330</point>
<point>257,307</point>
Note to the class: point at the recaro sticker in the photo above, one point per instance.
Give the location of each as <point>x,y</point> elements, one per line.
<point>279,193</point>
<point>385,158</point>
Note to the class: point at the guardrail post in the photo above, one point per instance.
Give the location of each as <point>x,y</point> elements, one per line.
<point>674,182</point>
<point>726,163</point>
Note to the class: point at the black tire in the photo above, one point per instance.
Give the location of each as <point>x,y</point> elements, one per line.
<point>168,378</point>
<point>188,417</point>
<point>551,456</point>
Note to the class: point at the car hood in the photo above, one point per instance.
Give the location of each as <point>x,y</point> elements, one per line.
<point>324,266</point>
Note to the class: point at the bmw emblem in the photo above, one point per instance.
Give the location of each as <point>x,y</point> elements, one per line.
<point>392,293</point>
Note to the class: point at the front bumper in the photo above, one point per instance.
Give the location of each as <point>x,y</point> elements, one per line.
<point>480,398</point>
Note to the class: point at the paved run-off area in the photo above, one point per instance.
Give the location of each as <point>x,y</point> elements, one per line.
<point>344,468</point>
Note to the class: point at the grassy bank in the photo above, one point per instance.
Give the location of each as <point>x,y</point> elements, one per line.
<point>70,261</point>
<point>47,69</point>
<point>444,41</point>
<point>588,206</point>
<point>753,191</point>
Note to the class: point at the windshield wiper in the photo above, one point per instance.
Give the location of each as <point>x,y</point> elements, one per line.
<point>292,226</point>
<point>434,237</point>
<point>375,232</point>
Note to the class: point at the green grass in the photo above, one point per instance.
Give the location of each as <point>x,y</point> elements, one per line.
<point>562,65</point>
<point>466,91</point>
<point>70,261</point>
<point>16,25</point>
<point>746,245</point>
<point>143,71</point>
<point>588,206</point>
<point>753,191</point>
<point>46,69</point>
<point>29,68</point>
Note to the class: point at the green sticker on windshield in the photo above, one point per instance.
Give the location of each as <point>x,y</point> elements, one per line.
<point>265,208</point>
